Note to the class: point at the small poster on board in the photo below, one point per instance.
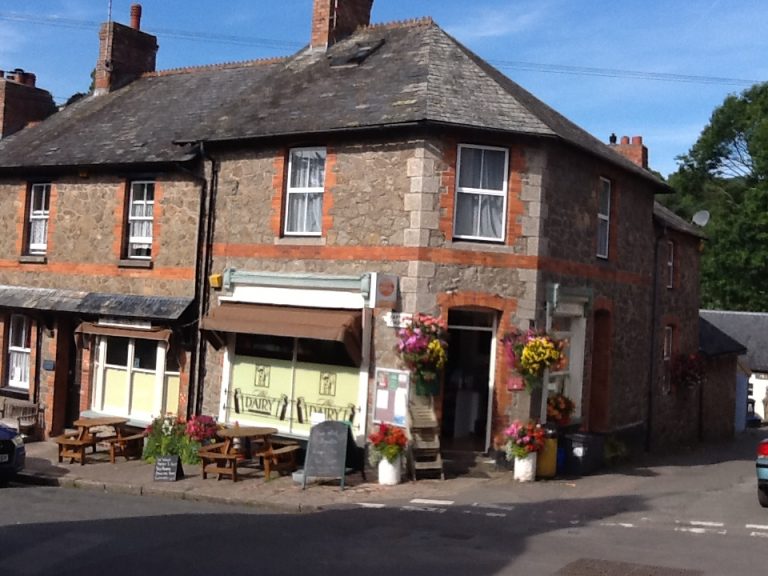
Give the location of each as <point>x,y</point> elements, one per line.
<point>391,402</point>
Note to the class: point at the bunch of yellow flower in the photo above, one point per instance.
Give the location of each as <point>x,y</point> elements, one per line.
<point>539,352</point>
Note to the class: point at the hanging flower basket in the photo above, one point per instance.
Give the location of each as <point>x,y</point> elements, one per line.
<point>528,355</point>
<point>422,347</point>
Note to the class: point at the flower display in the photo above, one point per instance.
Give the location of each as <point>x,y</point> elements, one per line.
<point>529,354</point>
<point>560,408</point>
<point>202,428</point>
<point>387,442</point>
<point>524,438</point>
<point>422,347</point>
<point>688,371</point>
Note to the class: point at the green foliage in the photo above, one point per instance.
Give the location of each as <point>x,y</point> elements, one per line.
<point>726,172</point>
<point>167,437</point>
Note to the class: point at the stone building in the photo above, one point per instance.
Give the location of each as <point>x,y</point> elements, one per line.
<point>303,207</point>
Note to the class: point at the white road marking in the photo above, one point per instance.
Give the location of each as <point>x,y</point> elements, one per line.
<point>756,527</point>
<point>619,524</point>
<point>700,530</point>
<point>432,502</point>
<point>371,505</point>
<point>493,506</point>
<point>423,509</point>
<point>759,534</point>
<point>496,514</point>
<point>708,524</point>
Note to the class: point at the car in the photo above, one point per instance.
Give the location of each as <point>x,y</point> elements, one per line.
<point>761,463</point>
<point>13,454</point>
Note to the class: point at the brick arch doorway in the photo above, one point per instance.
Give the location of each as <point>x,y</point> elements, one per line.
<point>465,422</point>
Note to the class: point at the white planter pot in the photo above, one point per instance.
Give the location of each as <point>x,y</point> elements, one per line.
<point>389,474</point>
<point>525,468</point>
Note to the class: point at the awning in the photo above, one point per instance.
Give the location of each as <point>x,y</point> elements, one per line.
<point>343,326</point>
<point>138,333</point>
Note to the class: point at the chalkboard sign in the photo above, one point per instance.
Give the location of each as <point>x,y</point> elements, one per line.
<point>327,451</point>
<point>168,469</point>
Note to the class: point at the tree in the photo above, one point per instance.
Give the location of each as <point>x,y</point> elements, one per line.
<point>726,172</point>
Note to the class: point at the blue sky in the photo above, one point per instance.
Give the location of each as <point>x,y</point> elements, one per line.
<point>544,45</point>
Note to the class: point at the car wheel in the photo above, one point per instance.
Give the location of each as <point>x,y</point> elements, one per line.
<point>762,497</point>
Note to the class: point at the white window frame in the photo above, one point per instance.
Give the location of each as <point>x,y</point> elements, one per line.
<point>137,242</point>
<point>159,372</point>
<point>38,218</point>
<point>670,264</point>
<point>666,358</point>
<point>604,218</point>
<point>482,192</point>
<point>19,357</point>
<point>303,190</point>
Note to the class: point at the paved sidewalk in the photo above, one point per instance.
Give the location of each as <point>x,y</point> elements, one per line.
<point>281,494</point>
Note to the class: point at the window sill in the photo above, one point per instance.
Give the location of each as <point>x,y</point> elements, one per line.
<point>141,264</point>
<point>300,241</point>
<point>33,259</point>
<point>481,246</point>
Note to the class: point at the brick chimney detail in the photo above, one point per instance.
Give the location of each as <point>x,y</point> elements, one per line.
<point>21,103</point>
<point>334,20</point>
<point>125,53</point>
<point>633,150</point>
<point>136,16</point>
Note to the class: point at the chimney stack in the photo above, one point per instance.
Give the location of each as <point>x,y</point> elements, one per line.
<point>21,103</point>
<point>633,150</point>
<point>125,53</point>
<point>334,20</point>
<point>136,16</point>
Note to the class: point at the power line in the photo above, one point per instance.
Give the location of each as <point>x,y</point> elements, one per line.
<point>289,45</point>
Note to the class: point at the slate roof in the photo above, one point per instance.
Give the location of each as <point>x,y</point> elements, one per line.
<point>96,303</point>
<point>715,342</point>
<point>419,74</point>
<point>749,328</point>
<point>672,220</point>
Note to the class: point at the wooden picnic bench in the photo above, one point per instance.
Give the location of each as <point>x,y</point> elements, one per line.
<point>129,446</point>
<point>217,459</point>
<point>73,447</point>
<point>279,456</point>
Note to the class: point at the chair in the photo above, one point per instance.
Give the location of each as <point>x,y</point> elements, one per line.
<point>128,446</point>
<point>215,460</point>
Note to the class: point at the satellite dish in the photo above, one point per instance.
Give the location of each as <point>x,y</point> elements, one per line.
<point>701,218</point>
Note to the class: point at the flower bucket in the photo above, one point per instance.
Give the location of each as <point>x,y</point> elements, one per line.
<point>390,472</point>
<point>525,468</point>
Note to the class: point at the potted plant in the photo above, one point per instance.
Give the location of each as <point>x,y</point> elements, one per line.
<point>422,347</point>
<point>528,355</point>
<point>524,440</point>
<point>387,446</point>
<point>559,409</point>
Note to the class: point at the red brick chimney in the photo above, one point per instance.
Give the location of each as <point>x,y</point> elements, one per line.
<point>21,103</point>
<point>334,20</point>
<point>125,53</point>
<point>633,151</point>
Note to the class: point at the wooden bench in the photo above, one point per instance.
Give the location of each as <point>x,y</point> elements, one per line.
<point>279,457</point>
<point>215,461</point>
<point>73,448</point>
<point>24,416</point>
<point>130,446</point>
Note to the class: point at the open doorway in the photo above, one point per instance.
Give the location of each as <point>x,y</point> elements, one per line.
<point>466,392</point>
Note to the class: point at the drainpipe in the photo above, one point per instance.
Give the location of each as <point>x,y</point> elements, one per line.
<point>204,263</point>
<point>654,339</point>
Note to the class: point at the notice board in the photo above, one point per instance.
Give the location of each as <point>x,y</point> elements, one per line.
<point>391,400</point>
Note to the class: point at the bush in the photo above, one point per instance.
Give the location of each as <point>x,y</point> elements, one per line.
<point>167,436</point>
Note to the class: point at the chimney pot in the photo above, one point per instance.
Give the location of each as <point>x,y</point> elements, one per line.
<point>637,140</point>
<point>136,16</point>
<point>625,140</point>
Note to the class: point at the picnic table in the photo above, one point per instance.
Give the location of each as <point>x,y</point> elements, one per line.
<point>73,446</point>
<point>222,458</point>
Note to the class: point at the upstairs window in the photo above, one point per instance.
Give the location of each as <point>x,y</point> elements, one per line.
<point>481,193</point>
<point>304,194</point>
<point>141,209</point>
<point>670,264</point>
<point>37,224</point>
<point>603,218</point>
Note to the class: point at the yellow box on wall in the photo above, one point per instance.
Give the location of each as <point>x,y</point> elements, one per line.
<point>215,280</point>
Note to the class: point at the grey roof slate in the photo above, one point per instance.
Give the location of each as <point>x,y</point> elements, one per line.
<point>715,342</point>
<point>94,303</point>
<point>749,328</point>
<point>419,74</point>
<point>669,218</point>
